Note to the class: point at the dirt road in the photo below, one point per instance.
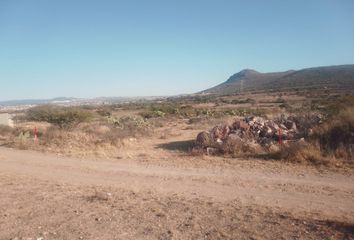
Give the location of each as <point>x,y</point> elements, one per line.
<point>44,196</point>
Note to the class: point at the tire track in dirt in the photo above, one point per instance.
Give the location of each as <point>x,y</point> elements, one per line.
<point>324,196</point>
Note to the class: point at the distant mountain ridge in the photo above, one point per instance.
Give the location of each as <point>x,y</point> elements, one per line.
<point>341,76</point>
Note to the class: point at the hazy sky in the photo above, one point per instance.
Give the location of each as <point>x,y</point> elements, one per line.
<point>87,48</point>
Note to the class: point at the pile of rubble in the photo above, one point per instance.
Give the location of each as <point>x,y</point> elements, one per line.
<point>258,133</point>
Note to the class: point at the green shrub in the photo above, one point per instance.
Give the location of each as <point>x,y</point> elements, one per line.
<point>63,117</point>
<point>104,112</point>
<point>152,114</point>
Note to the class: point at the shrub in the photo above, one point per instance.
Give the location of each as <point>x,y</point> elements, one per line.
<point>125,127</point>
<point>331,142</point>
<point>153,114</point>
<point>104,112</point>
<point>308,153</point>
<point>63,117</point>
<point>132,122</point>
<point>336,136</point>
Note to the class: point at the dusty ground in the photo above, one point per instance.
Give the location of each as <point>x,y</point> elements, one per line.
<point>153,189</point>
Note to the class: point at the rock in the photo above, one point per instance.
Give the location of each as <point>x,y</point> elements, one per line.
<point>266,142</point>
<point>253,147</point>
<point>274,147</point>
<point>219,133</point>
<point>234,143</point>
<point>290,124</point>
<point>266,132</point>
<point>234,137</point>
<point>203,140</point>
<point>212,151</point>
<point>240,124</point>
<point>254,134</point>
<point>219,141</point>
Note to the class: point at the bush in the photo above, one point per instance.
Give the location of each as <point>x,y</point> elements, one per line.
<point>104,112</point>
<point>63,117</point>
<point>308,153</point>
<point>125,127</point>
<point>336,137</point>
<point>331,143</point>
<point>152,114</point>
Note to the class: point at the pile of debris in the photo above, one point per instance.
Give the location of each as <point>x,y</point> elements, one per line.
<point>257,134</point>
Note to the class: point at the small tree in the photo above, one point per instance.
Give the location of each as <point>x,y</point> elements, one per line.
<point>63,117</point>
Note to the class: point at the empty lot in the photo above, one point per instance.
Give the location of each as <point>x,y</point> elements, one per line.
<point>49,196</point>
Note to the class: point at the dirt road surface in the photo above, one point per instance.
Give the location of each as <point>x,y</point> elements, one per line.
<point>44,196</point>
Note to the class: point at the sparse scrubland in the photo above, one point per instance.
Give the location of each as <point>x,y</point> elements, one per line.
<point>105,130</point>
<point>136,171</point>
<point>74,130</point>
<point>94,149</point>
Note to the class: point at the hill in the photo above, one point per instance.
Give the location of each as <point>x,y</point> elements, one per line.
<point>332,77</point>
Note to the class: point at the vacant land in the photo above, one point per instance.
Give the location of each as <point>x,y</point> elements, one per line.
<point>129,171</point>
<point>157,191</point>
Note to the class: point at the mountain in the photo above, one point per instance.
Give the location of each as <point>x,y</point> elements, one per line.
<point>330,77</point>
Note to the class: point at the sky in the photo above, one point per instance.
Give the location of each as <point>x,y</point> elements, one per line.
<point>94,48</point>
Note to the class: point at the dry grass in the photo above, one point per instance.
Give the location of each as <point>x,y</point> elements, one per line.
<point>310,154</point>
<point>234,147</point>
<point>13,136</point>
<point>331,144</point>
<point>100,138</point>
<point>196,152</point>
<point>6,130</point>
<point>336,137</point>
<point>91,138</point>
<point>304,153</point>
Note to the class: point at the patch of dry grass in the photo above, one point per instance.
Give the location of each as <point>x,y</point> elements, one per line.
<point>303,153</point>
<point>101,138</point>
<point>336,137</point>
<point>6,130</point>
